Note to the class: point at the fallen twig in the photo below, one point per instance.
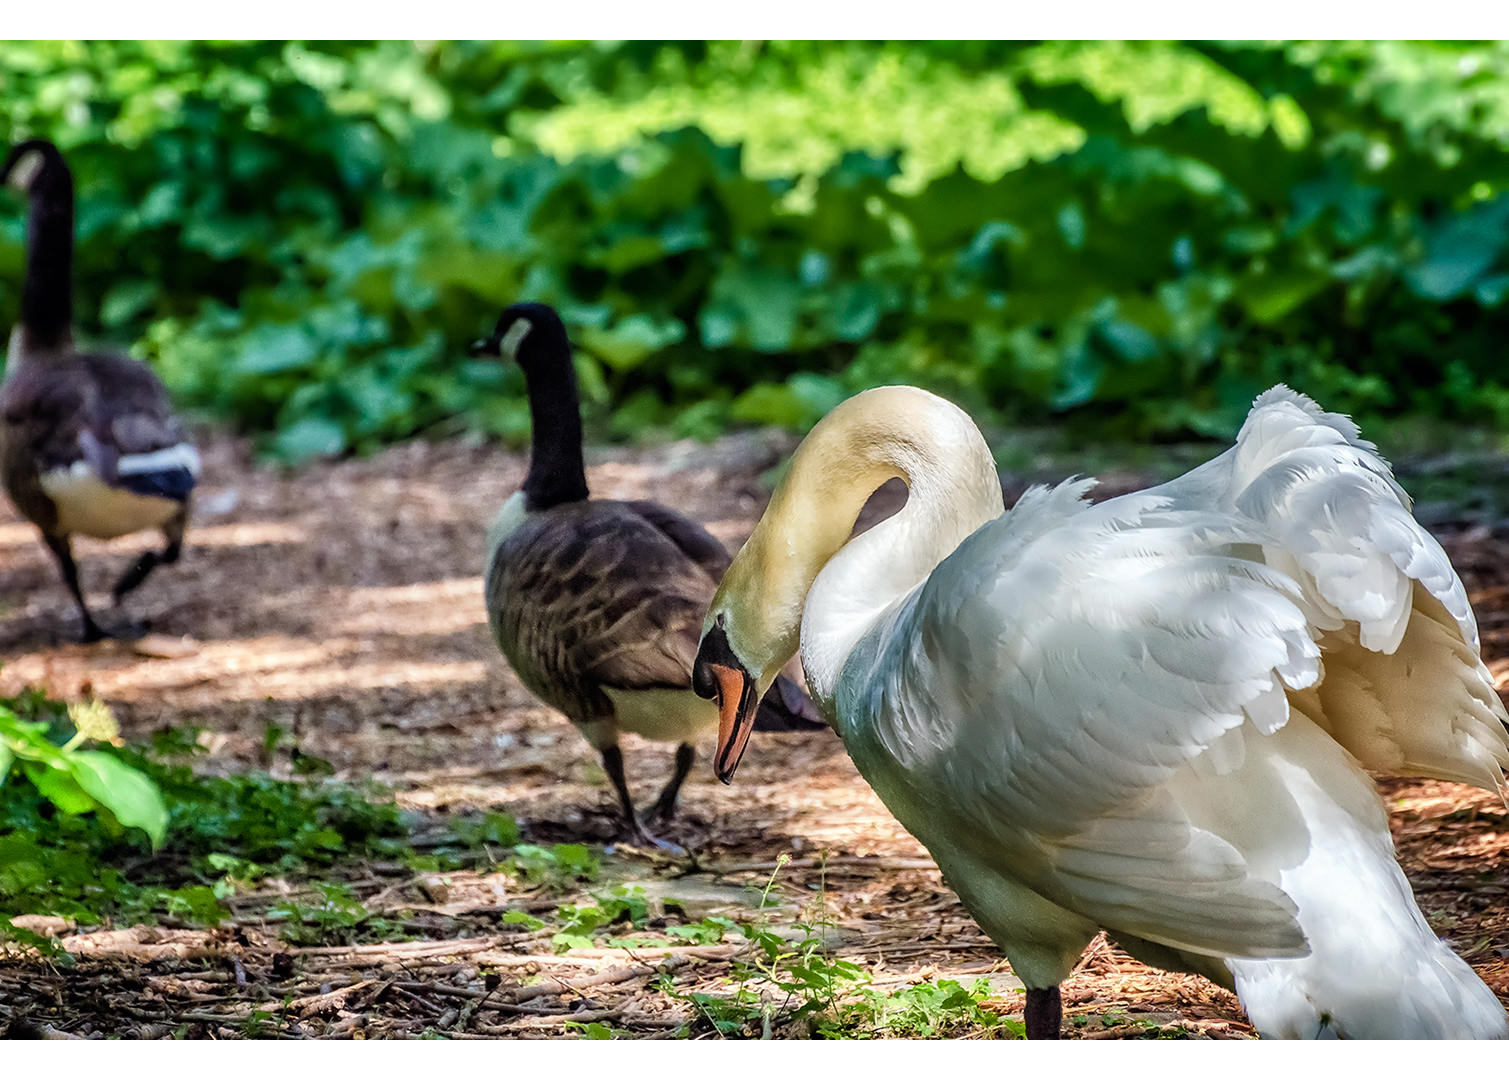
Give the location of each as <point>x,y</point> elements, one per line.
<point>317,1003</point>
<point>607,978</point>
<point>407,949</point>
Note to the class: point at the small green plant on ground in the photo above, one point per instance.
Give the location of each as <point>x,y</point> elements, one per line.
<point>1146,1027</point>
<point>171,843</point>
<point>786,981</point>
<point>74,780</point>
<point>624,904</point>
<point>557,867</point>
<point>334,918</point>
<point>593,1030</point>
<point>925,1010</point>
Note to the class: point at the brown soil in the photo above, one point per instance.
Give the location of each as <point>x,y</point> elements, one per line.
<point>342,603</point>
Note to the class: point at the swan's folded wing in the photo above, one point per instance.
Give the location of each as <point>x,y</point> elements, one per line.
<point>1405,689</point>
<point>1058,668</point>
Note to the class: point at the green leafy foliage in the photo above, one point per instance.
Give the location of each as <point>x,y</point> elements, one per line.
<point>220,830</point>
<point>1131,236</point>
<point>622,905</point>
<point>557,866</point>
<point>593,1030</point>
<point>786,981</point>
<point>783,978</point>
<point>69,851</point>
<point>223,834</point>
<point>925,1010</point>
<point>331,919</point>
<point>77,781</point>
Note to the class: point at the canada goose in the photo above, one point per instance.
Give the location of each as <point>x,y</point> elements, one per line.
<point>596,603</point>
<point>88,441</point>
<point>1149,715</point>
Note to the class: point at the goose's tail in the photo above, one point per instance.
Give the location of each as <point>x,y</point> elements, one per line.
<point>786,707</point>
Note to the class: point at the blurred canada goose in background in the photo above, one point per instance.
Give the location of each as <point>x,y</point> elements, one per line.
<point>89,444</point>
<point>597,603</point>
<point>1150,715</point>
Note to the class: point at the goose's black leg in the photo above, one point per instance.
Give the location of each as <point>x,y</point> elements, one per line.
<point>63,552</point>
<point>1044,1013</point>
<point>613,764</point>
<point>665,806</point>
<point>150,560</point>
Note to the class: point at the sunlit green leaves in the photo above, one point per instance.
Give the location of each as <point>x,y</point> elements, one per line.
<point>796,109</point>
<point>305,237</point>
<point>81,781</point>
<point>1157,81</point>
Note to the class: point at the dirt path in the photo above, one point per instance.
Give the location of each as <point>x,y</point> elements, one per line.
<point>342,604</point>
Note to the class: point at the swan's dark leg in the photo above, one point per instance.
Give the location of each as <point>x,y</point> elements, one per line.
<point>1044,1013</point>
<point>150,560</point>
<point>63,552</point>
<point>665,806</point>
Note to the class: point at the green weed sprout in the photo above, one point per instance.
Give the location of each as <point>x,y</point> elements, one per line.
<point>79,781</point>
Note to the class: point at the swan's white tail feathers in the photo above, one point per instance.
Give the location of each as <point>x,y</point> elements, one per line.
<point>1376,969</point>
<point>1428,710</point>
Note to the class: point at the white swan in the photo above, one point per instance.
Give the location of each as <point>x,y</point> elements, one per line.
<point>1150,715</point>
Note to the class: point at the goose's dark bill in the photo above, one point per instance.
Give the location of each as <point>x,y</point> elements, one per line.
<point>719,675</point>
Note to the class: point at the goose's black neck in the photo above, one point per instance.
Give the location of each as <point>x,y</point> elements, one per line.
<point>556,471</point>
<point>47,295</point>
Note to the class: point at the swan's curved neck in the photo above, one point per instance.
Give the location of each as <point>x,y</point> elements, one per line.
<point>556,470</point>
<point>800,558</point>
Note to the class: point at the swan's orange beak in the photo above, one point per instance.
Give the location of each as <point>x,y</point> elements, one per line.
<point>719,674</point>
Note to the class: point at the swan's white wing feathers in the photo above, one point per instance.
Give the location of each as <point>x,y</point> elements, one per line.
<point>1083,655</point>
<point>1406,690</point>
<point>1332,504</point>
<point>1110,644</point>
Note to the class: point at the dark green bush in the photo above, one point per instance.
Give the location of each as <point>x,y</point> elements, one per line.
<point>1137,237</point>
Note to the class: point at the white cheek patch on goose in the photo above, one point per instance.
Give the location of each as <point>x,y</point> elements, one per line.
<point>515,337</point>
<point>25,170</point>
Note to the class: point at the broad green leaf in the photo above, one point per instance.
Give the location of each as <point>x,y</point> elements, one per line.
<point>312,436</point>
<point>270,350</point>
<point>60,786</point>
<point>23,865</point>
<point>1462,251</point>
<point>130,796</point>
<point>632,339</point>
<point>1269,298</point>
<point>127,299</point>
<point>767,403</point>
